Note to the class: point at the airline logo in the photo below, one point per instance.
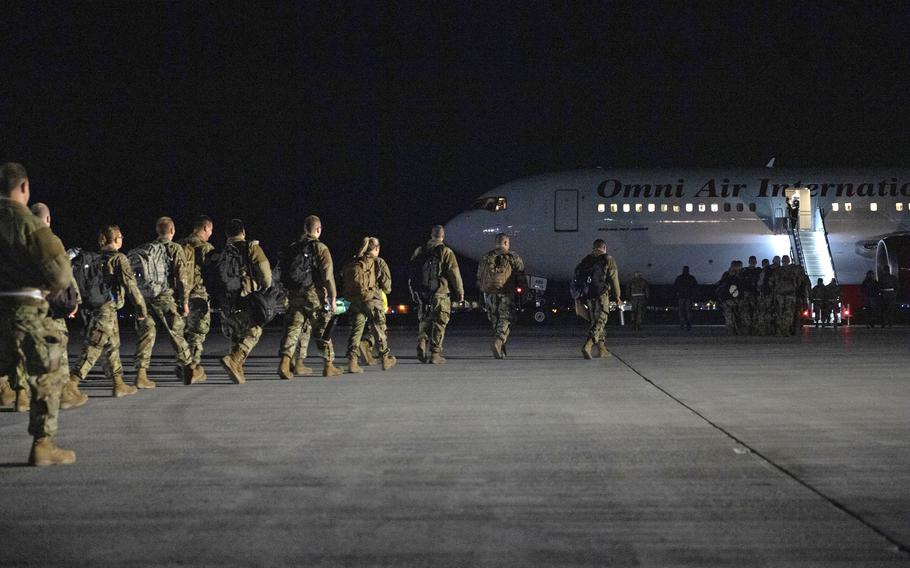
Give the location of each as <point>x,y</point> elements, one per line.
<point>613,188</point>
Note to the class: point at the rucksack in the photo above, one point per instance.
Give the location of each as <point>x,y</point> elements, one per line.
<point>590,280</point>
<point>263,305</point>
<point>94,285</point>
<point>151,267</point>
<point>424,272</point>
<point>358,279</point>
<point>230,270</point>
<point>495,272</point>
<point>299,265</point>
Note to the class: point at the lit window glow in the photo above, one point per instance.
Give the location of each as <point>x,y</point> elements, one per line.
<point>664,207</point>
<point>702,207</point>
<point>601,208</point>
<point>651,208</point>
<point>835,207</point>
<point>688,207</point>
<point>899,206</point>
<point>676,208</point>
<point>638,207</point>
<point>714,207</point>
<point>614,208</point>
<point>848,207</point>
<point>873,207</point>
<point>625,207</point>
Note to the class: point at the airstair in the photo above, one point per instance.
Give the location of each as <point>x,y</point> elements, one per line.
<point>809,241</point>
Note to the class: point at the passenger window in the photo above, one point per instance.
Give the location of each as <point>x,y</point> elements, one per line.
<point>714,208</point>
<point>625,208</point>
<point>752,207</point>
<point>601,208</point>
<point>701,207</point>
<point>848,207</point>
<point>664,207</point>
<point>873,207</point>
<point>676,208</point>
<point>727,207</point>
<point>638,207</point>
<point>899,206</point>
<point>688,207</point>
<point>651,208</point>
<point>739,206</point>
<point>614,208</point>
<point>835,207</point>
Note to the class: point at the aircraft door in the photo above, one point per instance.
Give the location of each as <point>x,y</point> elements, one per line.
<point>565,210</point>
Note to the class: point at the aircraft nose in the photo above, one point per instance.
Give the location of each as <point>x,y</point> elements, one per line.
<point>463,233</point>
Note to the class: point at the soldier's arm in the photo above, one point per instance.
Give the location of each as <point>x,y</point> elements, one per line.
<point>182,276</point>
<point>328,272</point>
<point>456,286</point>
<point>613,274</point>
<point>385,277</point>
<point>518,265</point>
<point>124,272</point>
<point>48,254</point>
<point>261,268</point>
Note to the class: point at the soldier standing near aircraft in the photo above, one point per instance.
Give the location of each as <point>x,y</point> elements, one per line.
<point>748,299</point>
<point>767,311</point>
<point>596,276</point>
<point>359,280</point>
<point>433,276</point>
<point>728,294</point>
<point>199,253</point>
<point>639,291</point>
<point>384,285</point>
<point>32,262</point>
<point>497,278</point>
<point>686,287</point>
<point>786,283</point>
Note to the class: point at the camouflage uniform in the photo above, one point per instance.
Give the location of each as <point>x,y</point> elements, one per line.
<point>306,308</point>
<point>748,300</point>
<point>639,291</point>
<point>364,310</point>
<point>167,308</point>
<point>599,307</point>
<point>102,336</point>
<point>199,322</point>
<point>501,305</point>
<point>435,312</point>
<point>32,259</point>
<point>728,296</point>
<point>786,282</point>
<point>384,284</point>
<point>819,304</point>
<point>235,322</point>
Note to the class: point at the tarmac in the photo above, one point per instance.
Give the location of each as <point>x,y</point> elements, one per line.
<point>683,449</point>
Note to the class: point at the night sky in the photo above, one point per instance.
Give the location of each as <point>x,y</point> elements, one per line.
<point>384,119</point>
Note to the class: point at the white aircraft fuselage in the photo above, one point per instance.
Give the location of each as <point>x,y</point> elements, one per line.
<point>656,221</point>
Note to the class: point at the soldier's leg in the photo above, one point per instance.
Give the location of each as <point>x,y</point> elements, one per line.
<point>358,317</point>
<point>174,324</point>
<point>198,324</point>
<point>319,321</point>
<point>95,341</point>
<point>303,344</point>
<point>294,321</point>
<point>508,314</point>
<point>380,331</point>
<point>442,312</point>
<point>145,340</point>
<point>110,356</point>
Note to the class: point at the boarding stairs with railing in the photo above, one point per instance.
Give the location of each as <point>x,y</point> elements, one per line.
<point>812,251</point>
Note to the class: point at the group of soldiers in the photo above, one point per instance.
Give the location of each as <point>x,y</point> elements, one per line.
<point>762,300</point>
<point>42,285</point>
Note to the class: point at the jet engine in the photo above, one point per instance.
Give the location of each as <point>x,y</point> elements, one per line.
<point>894,252</point>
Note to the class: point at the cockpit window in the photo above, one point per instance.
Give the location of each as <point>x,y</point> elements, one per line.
<point>492,204</point>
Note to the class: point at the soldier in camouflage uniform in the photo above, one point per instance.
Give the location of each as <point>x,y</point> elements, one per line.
<point>102,337</point>
<point>366,305</point>
<point>32,263</point>
<point>384,285</point>
<point>766,310</point>
<point>169,308</point>
<point>728,294</point>
<point>61,309</point>
<point>639,291</point>
<point>199,251</point>
<point>498,276</point>
<point>435,311</point>
<point>307,306</point>
<point>598,306</point>
<point>236,322</point>
<point>748,299</point>
<point>786,283</point>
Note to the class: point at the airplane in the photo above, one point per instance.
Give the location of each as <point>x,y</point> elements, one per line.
<point>656,221</point>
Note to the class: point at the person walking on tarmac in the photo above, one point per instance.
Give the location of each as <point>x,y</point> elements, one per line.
<point>434,275</point>
<point>595,277</point>
<point>199,254</point>
<point>360,288</point>
<point>497,278</point>
<point>639,291</point>
<point>384,285</point>
<point>686,287</point>
<point>32,263</point>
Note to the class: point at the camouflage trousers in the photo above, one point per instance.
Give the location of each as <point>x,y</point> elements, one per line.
<point>638,311</point>
<point>598,314</point>
<point>102,339</point>
<point>362,313</point>
<point>502,313</point>
<point>197,327</point>
<point>731,316</point>
<point>786,314</point>
<point>765,315</point>
<point>307,315</point>
<point>434,317</point>
<point>30,351</point>
<point>369,333</point>
<point>164,310</point>
<point>303,344</point>
<point>238,327</point>
<point>748,305</point>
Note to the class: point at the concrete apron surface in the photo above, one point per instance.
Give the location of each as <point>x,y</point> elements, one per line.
<point>681,450</point>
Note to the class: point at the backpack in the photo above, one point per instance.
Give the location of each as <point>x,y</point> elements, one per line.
<point>264,305</point>
<point>229,271</point>
<point>424,272</point>
<point>94,285</point>
<point>151,267</point>
<point>590,280</point>
<point>62,302</point>
<point>299,265</point>
<point>359,279</point>
<point>495,272</point>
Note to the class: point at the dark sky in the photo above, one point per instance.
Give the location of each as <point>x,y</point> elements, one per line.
<point>385,119</point>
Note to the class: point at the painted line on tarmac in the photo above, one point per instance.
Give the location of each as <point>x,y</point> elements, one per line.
<point>832,501</point>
